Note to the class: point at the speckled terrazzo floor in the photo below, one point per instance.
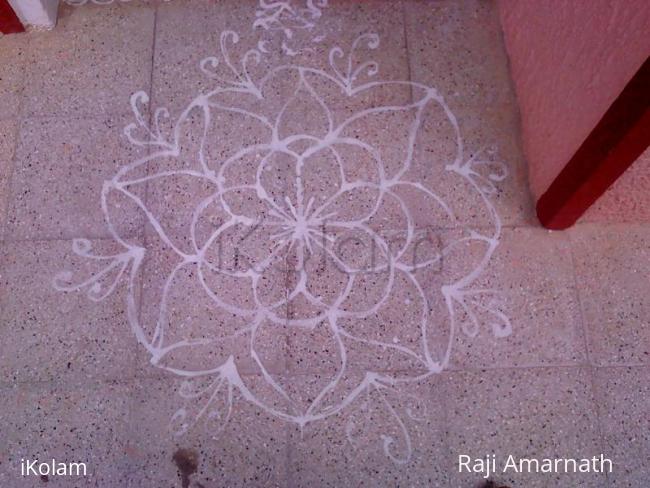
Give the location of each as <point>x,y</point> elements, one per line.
<point>320,267</point>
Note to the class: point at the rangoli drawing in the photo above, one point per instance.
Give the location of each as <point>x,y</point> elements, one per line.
<point>324,220</point>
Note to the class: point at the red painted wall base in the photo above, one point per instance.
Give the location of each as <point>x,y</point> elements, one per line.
<point>9,22</point>
<point>616,142</point>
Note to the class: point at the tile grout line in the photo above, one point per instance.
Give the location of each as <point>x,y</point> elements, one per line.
<point>18,119</point>
<point>134,235</point>
<point>639,223</point>
<point>443,380</point>
<point>285,369</point>
<point>426,227</point>
<point>289,426</point>
<point>68,238</point>
<point>421,228</point>
<point>67,384</point>
<point>143,230</point>
<point>582,315</point>
<point>136,347</point>
<point>406,48</point>
<point>591,371</point>
<point>8,200</point>
<point>81,116</point>
<point>446,433</point>
<point>92,381</point>
<point>311,372</point>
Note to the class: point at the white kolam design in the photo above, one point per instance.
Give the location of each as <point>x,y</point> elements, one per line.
<point>338,187</point>
<point>286,18</point>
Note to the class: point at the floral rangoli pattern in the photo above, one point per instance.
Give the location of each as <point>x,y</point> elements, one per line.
<point>322,230</point>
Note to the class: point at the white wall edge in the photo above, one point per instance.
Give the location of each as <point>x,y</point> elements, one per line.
<point>36,13</point>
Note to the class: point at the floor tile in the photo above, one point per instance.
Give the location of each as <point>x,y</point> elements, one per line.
<point>61,166</point>
<point>196,316</point>
<point>7,147</point>
<point>528,283</point>
<point>237,445</point>
<point>624,201</point>
<point>623,396</point>
<point>178,78</point>
<point>88,65</point>
<point>84,424</point>
<point>457,48</point>
<point>13,61</point>
<point>514,311</point>
<point>394,436</point>
<point>64,336</point>
<point>612,264</point>
<point>212,173</point>
<point>359,305</point>
<point>537,413</point>
<point>437,303</point>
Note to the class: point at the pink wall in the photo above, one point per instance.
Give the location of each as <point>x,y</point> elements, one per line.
<point>569,60</point>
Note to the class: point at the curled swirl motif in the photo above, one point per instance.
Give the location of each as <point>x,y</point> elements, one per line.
<point>321,234</point>
<point>287,18</point>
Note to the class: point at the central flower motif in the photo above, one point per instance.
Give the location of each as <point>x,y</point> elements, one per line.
<point>301,226</point>
<point>303,216</point>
